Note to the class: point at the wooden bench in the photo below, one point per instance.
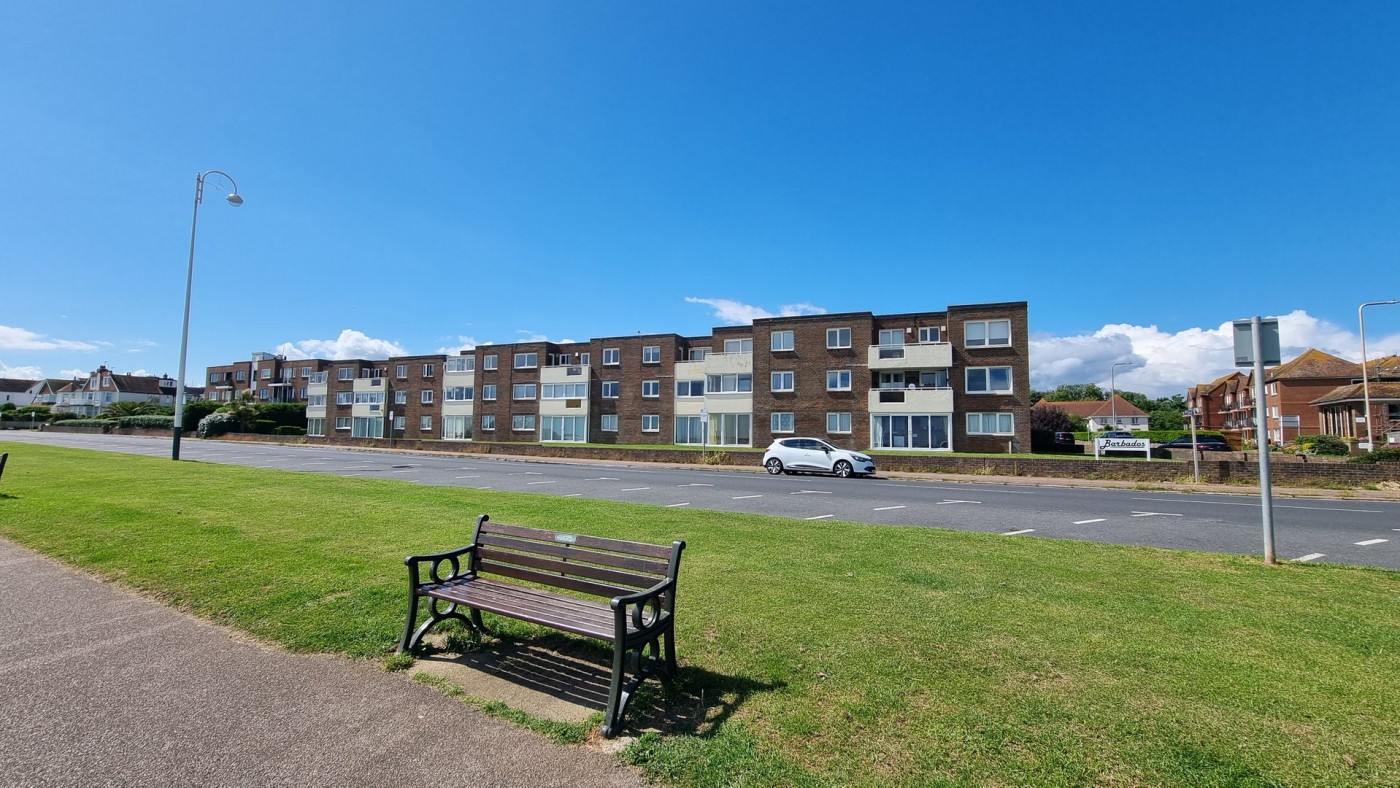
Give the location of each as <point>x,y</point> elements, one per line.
<point>628,588</point>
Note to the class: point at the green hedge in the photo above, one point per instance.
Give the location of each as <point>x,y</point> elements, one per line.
<point>1378,455</point>
<point>289,431</point>
<point>147,422</point>
<point>81,422</point>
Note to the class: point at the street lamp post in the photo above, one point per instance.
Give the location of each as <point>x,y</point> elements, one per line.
<point>235,201</point>
<point>1113,384</point>
<point>1365,377</point>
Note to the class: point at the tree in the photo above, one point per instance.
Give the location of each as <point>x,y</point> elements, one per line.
<point>1051,419</point>
<point>1076,392</point>
<point>1165,419</point>
<point>1139,401</point>
<point>127,408</point>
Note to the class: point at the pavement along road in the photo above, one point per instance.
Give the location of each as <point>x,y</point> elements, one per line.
<point>1357,529</point>
<point>103,687</point>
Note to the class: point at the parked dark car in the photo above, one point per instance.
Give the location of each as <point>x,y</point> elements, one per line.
<point>1064,439</point>
<point>1204,443</point>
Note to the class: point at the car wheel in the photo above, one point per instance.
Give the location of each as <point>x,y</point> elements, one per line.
<point>842,469</point>
<point>774,466</point>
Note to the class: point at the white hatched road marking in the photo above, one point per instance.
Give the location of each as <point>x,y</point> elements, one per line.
<point>602,479</point>
<point>674,505</point>
<point>1086,522</point>
<point>695,484</point>
<point>1018,533</point>
<point>633,489</point>
<point>1309,557</point>
<point>526,473</point>
<point>469,477</point>
<point>1155,514</point>
<point>742,497</point>
<point>949,500</point>
<point>819,517</point>
<point>810,492</point>
<point>527,484</point>
<point>1370,542</point>
<point>887,508</point>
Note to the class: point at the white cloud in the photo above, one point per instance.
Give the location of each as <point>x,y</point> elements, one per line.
<point>1166,363</point>
<point>735,313</point>
<point>464,343</point>
<point>20,373</point>
<point>75,373</point>
<point>12,338</point>
<point>350,344</point>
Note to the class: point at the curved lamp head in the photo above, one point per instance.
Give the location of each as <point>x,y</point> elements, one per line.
<point>235,200</point>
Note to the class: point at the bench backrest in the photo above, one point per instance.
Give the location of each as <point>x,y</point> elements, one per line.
<point>577,562</point>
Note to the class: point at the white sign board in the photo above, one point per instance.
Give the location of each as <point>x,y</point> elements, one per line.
<point>1105,445</point>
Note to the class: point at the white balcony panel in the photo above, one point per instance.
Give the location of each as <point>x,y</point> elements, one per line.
<point>564,407</point>
<point>931,356</point>
<point>911,401</point>
<point>721,363</point>
<point>576,373</point>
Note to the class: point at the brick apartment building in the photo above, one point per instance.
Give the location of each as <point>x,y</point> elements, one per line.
<point>271,378</point>
<point>956,379</point>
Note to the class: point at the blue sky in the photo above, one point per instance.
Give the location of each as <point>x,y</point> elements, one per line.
<point>427,177</point>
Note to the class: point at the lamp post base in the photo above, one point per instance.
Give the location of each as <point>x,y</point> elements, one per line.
<point>175,445</point>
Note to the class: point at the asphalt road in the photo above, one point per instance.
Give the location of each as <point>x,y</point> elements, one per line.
<point>1352,531</point>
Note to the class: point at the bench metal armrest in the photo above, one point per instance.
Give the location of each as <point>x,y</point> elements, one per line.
<point>452,559</point>
<point>646,608</point>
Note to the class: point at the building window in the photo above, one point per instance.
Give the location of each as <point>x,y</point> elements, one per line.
<point>929,334</point>
<point>838,338</point>
<point>782,340</point>
<point>781,422</point>
<point>651,354</point>
<point>564,391</point>
<point>401,397</point>
<point>399,422</point>
<point>584,358</point>
<point>522,423</point>
<point>569,429</point>
<point>781,381</point>
<point>987,333</point>
<point>610,388</point>
<point>429,370</point>
<point>427,396</point>
<point>344,397</point>
<point>690,388</point>
<point>456,428</point>
<point>367,427</point>
<point>611,356</point>
<point>527,360</point>
<point>306,372</point>
<point>342,422</point>
<point>425,423</point>
<point>488,362</point>
<point>344,373</point>
<point>266,375</point>
<point>917,431</point>
<point>731,429</point>
<point>488,393</point>
<point>697,353</point>
<point>316,427</point>
<point>651,388</point>
<point>316,401</point>
<point>729,384</point>
<point>522,391</point>
<point>989,380</point>
<point>689,430</point>
<point>609,422</point>
<point>458,394</point>
<point>838,422</point>
<point>401,371</point>
<point>651,423</point>
<point>488,421</point>
<point>738,345</point>
<point>459,364</point>
<point>213,377</point>
<point>990,424</point>
<point>891,337</point>
<point>838,380</point>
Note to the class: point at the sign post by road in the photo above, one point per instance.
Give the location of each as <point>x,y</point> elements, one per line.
<point>1195,450</point>
<point>704,432</point>
<point>1256,344</point>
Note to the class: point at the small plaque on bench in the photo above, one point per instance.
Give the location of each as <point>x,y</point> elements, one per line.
<point>566,538</point>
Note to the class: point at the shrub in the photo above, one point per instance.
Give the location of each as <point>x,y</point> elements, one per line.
<point>283,414</point>
<point>78,421</point>
<point>196,411</point>
<point>56,417</point>
<point>289,431</point>
<point>264,426</point>
<point>149,422</point>
<point>1378,455</point>
<point>1322,445</point>
<point>216,424</point>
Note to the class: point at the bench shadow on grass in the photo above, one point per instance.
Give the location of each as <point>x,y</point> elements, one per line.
<point>696,702</point>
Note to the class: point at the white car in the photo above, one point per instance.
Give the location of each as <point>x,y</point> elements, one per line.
<point>812,455</point>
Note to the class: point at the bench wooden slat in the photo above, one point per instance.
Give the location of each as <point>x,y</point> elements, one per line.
<point>569,568</point>
<point>569,614</point>
<point>581,540</point>
<point>558,550</point>
<point>557,581</point>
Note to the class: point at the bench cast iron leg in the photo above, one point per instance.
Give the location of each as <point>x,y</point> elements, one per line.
<point>408,640</point>
<point>435,617</point>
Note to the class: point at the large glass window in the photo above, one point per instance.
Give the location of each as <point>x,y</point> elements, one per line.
<point>459,364</point>
<point>458,393</point>
<point>987,333</point>
<point>523,422</point>
<point>989,380</point>
<point>782,340</point>
<point>344,397</point>
<point>571,429</point>
<point>689,430</point>
<point>456,428</point>
<point>690,388</point>
<point>914,431</point>
<point>990,424</point>
<point>564,391</point>
<point>727,384</point>
<point>429,370</point>
<point>731,429</point>
<point>367,427</point>
<point>316,427</point>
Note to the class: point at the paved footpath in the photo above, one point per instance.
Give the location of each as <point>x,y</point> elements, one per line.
<point>99,686</point>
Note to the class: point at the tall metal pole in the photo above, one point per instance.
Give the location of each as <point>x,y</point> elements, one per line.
<point>1195,449</point>
<point>1113,385</point>
<point>185,325</point>
<point>1261,443</point>
<point>1365,376</point>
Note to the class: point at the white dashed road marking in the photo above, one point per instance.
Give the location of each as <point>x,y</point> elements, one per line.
<point>571,495</point>
<point>742,497</point>
<point>674,505</point>
<point>1370,542</point>
<point>940,503</point>
<point>1022,531</point>
<point>695,484</point>
<point>602,479</point>
<point>1309,557</point>
<point>811,492</point>
<point>1155,514</point>
<point>526,473</point>
<point>1086,522</point>
<point>527,484</point>
<point>468,477</point>
<point>887,508</point>
<point>633,489</point>
<point>819,517</point>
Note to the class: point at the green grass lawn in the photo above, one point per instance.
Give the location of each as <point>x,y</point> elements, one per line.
<point>825,652</point>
